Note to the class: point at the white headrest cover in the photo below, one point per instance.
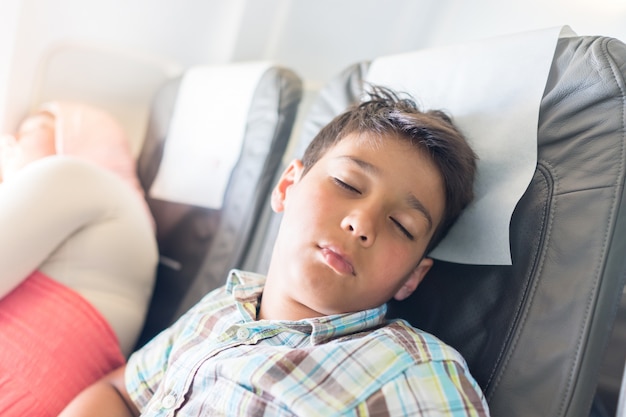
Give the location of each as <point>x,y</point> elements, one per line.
<point>206,133</point>
<point>493,90</point>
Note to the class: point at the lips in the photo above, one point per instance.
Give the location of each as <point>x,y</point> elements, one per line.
<point>337,261</point>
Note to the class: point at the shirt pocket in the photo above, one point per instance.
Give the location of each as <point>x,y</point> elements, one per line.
<point>227,398</point>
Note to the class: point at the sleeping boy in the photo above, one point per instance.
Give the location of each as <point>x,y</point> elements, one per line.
<point>376,190</point>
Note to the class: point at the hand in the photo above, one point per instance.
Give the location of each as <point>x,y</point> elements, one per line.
<point>107,397</point>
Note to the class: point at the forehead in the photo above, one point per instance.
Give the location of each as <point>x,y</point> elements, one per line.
<point>378,150</point>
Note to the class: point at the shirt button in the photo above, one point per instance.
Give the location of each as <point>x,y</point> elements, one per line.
<point>242,333</point>
<point>168,401</point>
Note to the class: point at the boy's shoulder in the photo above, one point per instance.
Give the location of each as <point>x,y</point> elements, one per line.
<point>398,337</point>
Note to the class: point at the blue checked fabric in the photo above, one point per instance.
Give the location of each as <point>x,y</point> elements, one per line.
<point>217,360</point>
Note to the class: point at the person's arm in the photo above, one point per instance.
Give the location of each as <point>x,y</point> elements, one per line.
<point>107,397</point>
<point>40,207</point>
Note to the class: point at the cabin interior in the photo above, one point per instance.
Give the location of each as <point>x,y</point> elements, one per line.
<point>119,54</point>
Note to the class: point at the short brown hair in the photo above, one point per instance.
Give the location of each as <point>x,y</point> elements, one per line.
<point>386,113</point>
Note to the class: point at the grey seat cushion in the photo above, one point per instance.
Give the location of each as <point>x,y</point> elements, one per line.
<point>198,246</point>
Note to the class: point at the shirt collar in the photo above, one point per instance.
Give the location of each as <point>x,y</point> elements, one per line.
<point>247,287</point>
<point>330,327</point>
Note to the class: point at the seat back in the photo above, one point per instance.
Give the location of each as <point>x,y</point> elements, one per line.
<point>533,332</point>
<point>105,76</point>
<point>199,244</point>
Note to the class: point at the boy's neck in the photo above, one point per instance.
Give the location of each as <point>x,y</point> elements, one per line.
<point>275,305</point>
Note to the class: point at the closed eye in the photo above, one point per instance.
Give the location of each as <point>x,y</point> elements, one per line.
<point>345,186</point>
<point>402,229</point>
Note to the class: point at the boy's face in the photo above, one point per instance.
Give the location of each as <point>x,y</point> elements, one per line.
<point>355,227</point>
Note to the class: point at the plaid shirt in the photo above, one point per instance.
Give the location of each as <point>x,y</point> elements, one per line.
<point>218,360</point>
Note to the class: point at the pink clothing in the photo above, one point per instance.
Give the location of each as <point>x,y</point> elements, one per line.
<point>57,347</point>
<point>94,135</point>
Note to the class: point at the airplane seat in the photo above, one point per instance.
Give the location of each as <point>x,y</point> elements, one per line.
<point>533,331</point>
<point>216,134</point>
<point>105,76</point>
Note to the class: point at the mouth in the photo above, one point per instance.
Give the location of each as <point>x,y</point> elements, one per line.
<point>337,261</point>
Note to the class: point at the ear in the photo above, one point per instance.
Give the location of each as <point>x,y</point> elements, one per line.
<point>290,176</point>
<point>414,279</point>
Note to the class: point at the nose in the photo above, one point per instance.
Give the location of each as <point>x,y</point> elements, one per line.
<point>361,225</point>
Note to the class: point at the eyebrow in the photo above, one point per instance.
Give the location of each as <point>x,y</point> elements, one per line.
<point>417,205</point>
<point>411,200</point>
